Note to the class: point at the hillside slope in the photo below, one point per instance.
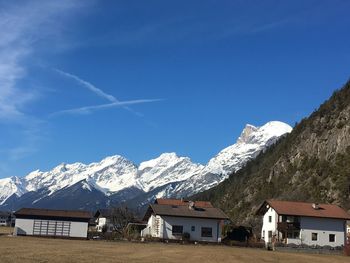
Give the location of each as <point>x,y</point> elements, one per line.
<point>312,163</point>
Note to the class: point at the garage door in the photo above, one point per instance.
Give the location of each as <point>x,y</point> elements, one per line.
<point>51,228</point>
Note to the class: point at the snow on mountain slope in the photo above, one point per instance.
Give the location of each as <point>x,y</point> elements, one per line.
<point>250,143</point>
<point>10,186</point>
<point>168,167</point>
<point>165,176</point>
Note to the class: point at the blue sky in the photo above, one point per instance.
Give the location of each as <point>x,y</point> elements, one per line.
<point>81,80</point>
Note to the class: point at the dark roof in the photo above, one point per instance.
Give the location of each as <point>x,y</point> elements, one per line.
<point>304,209</point>
<point>184,211</point>
<point>30,212</point>
<point>103,213</point>
<point>162,201</point>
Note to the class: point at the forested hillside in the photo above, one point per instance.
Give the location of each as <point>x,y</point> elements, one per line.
<point>312,163</point>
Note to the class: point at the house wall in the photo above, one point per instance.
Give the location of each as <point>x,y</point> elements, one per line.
<point>269,226</point>
<point>323,227</point>
<point>78,229</point>
<point>23,226</point>
<point>150,229</point>
<point>101,221</point>
<point>161,227</point>
<point>167,222</point>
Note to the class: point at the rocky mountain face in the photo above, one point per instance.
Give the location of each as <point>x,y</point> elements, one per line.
<point>117,180</point>
<point>312,163</point>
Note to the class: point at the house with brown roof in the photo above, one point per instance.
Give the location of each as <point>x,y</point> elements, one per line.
<point>303,223</point>
<point>55,223</point>
<point>176,219</point>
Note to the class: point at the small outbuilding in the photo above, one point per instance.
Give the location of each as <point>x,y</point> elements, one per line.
<point>181,219</point>
<point>54,223</point>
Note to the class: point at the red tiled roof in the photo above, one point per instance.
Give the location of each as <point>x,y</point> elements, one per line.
<point>306,209</point>
<point>180,202</point>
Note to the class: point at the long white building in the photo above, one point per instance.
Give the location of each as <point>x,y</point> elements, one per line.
<point>303,223</point>
<point>174,219</point>
<point>56,223</point>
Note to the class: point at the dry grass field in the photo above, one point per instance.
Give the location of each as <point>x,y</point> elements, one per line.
<point>31,249</point>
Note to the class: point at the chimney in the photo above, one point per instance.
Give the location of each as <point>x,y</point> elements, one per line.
<point>315,206</point>
<point>191,205</point>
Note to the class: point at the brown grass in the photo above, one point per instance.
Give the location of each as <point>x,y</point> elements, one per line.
<point>31,249</point>
<point>4,230</point>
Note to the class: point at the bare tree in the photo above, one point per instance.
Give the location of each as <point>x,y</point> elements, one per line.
<point>120,217</point>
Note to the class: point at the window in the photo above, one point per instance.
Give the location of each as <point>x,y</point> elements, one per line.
<point>270,219</point>
<point>177,230</point>
<point>207,232</point>
<point>193,228</point>
<point>331,238</point>
<point>314,236</point>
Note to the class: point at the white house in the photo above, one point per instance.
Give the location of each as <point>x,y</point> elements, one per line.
<point>57,223</point>
<point>103,219</point>
<point>303,223</point>
<point>172,218</point>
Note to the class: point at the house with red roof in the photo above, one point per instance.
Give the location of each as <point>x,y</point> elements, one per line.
<point>178,219</point>
<point>303,223</point>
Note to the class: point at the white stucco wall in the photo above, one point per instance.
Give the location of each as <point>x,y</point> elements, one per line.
<point>187,223</point>
<point>166,223</point>
<point>323,227</point>
<point>101,221</point>
<point>150,229</point>
<point>269,226</point>
<point>23,226</point>
<point>78,229</point>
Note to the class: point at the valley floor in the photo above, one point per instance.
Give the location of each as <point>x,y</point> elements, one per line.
<point>31,249</point>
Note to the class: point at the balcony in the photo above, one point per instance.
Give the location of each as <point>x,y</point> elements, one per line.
<point>288,226</point>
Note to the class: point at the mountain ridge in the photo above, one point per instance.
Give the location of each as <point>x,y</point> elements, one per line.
<point>172,175</point>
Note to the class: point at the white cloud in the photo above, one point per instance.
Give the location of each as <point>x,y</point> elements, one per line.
<point>90,109</point>
<point>89,86</point>
<point>24,27</point>
<point>114,101</point>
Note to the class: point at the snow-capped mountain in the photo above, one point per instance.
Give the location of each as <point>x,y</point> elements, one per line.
<point>116,179</point>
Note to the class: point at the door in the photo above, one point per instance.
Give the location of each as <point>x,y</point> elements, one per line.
<point>270,236</point>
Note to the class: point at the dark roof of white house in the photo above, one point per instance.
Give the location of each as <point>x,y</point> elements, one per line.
<point>103,213</point>
<point>188,210</point>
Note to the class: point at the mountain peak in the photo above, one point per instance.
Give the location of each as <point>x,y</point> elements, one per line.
<point>257,135</point>
<point>246,133</point>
